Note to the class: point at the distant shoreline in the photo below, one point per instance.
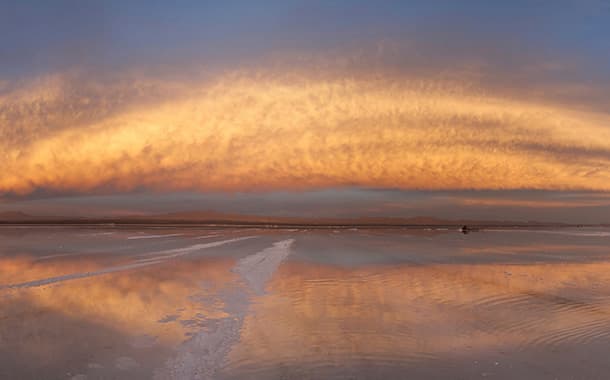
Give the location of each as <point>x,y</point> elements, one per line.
<point>321,226</point>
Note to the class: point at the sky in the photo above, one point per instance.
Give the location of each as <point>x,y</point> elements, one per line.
<point>473,109</point>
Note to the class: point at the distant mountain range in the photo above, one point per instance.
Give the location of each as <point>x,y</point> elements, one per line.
<point>216,218</point>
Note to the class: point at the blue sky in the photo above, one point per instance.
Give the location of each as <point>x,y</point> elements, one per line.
<point>48,35</point>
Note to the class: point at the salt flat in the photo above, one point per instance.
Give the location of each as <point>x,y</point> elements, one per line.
<point>172,303</point>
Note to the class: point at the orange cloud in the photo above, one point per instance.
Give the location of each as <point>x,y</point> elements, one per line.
<point>253,130</point>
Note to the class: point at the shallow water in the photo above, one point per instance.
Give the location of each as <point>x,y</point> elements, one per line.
<point>188,303</point>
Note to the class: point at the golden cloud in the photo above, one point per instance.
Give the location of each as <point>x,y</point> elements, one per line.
<point>253,130</point>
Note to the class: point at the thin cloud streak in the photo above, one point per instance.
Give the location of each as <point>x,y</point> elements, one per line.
<point>531,203</point>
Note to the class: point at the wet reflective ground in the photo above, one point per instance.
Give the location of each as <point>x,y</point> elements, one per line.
<point>171,303</point>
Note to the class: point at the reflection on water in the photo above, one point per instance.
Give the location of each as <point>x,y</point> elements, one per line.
<point>242,304</point>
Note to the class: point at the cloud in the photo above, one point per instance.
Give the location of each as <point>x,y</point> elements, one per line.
<point>498,202</point>
<point>266,130</point>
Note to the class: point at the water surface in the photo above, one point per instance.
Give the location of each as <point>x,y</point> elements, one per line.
<point>194,303</point>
